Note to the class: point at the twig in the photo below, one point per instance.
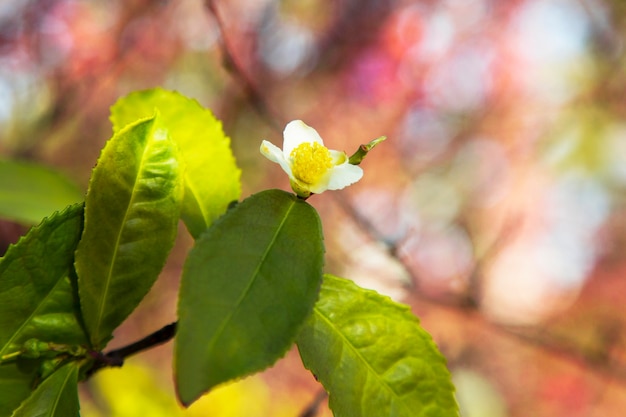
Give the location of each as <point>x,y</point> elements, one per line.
<point>231,64</point>
<point>115,358</point>
<point>587,361</point>
<point>313,407</point>
<point>467,306</point>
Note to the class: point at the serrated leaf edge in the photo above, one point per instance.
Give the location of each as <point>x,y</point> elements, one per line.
<point>371,370</point>
<point>35,230</point>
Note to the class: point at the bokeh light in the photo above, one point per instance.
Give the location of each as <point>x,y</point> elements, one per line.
<point>495,208</point>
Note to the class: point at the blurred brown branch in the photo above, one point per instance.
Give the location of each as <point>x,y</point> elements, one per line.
<point>230,62</point>
<point>466,308</point>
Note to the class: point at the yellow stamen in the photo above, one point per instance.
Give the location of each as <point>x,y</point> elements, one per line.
<point>310,162</point>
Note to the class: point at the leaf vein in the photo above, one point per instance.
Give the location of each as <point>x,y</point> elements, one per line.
<point>30,317</point>
<point>109,277</point>
<point>358,354</point>
<point>246,290</point>
<point>62,388</point>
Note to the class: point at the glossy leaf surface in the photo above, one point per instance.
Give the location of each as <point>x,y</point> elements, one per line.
<point>36,293</point>
<point>211,176</point>
<point>30,192</point>
<point>373,357</point>
<point>37,298</point>
<point>248,285</point>
<point>131,215</point>
<point>56,396</point>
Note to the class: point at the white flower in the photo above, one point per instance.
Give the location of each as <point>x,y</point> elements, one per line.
<point>312,168</point>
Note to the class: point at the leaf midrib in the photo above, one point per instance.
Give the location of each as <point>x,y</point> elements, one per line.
<point>19,330</point>
<point>255,274</point>
<point>356,352</point>
<point>101,304</point>
<point>61,391</point>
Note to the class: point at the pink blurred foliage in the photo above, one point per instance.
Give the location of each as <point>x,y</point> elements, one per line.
<point>466,213</point>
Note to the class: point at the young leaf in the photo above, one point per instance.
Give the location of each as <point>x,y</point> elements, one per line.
<point>248,285</point>
<point>36,292</point>
<point>30,192</point>
<point>373,357</point>
<point>131,215</point>
<point>211,175</point>
<point>56,396</point>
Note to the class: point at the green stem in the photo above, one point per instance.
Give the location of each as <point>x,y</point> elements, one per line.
<point>363,150</point>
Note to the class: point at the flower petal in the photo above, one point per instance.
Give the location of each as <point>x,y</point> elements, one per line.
<point>338,157</point>
<point>271,151</point>
<point>343,175</point>
<point>275,154</point>
<point>297,132</point>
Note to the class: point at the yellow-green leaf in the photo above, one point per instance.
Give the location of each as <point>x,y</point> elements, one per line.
<point>373,357</point>
<point>211,177</point>
<point>131,217</point>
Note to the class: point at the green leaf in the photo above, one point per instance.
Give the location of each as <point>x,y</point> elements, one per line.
<point>37,295</point>
<point>37,299</point>
<point>247,287</point>
<point>131,215</point>
<point>16,384</point>
<point>56,396</point>
<point>29,192</point>
<point>373,357</point>
<point>211,175</point>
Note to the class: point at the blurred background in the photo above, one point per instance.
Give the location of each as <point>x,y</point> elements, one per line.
<point>495,209</point>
